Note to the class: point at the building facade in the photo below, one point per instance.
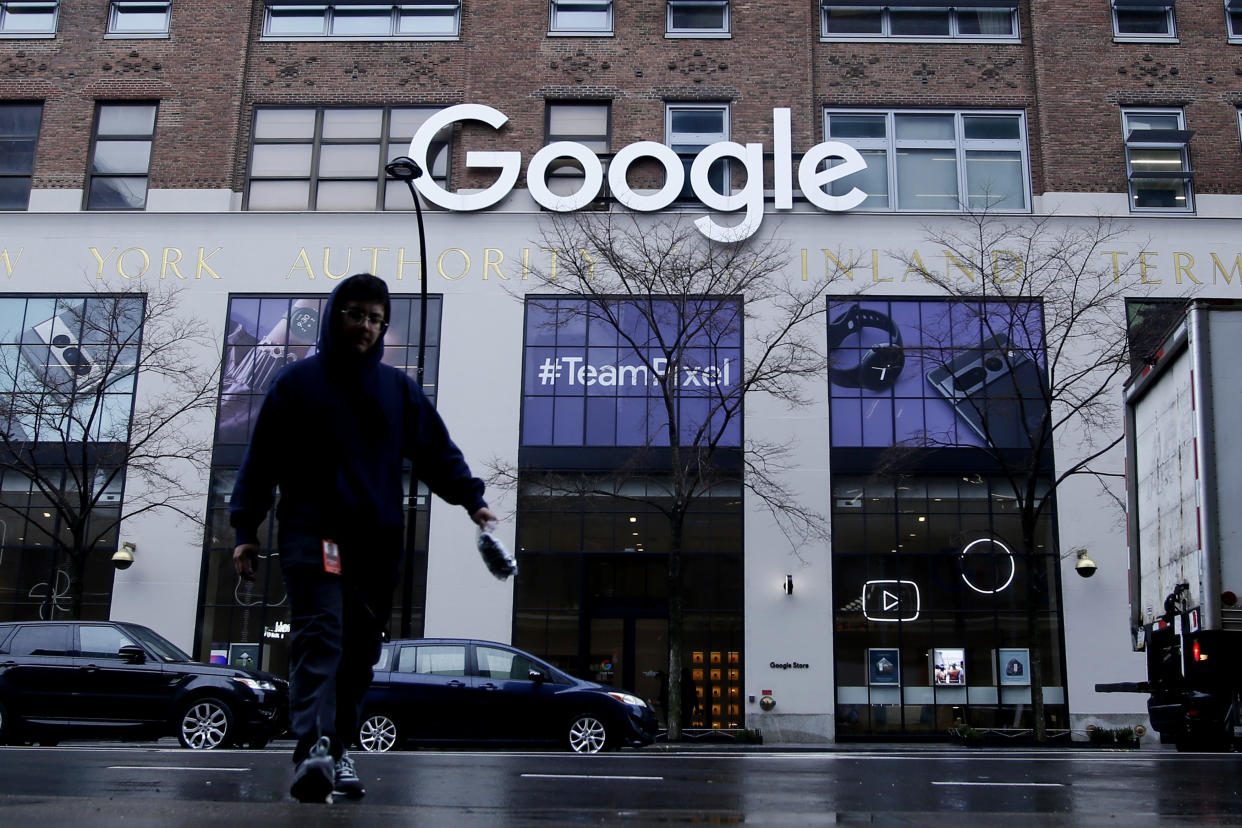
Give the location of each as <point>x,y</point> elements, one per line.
<point>236,152</point>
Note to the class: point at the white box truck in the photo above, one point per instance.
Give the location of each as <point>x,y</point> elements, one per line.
<point>1184,513</point>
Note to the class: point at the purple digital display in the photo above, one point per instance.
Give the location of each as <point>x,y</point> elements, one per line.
<point>594,371</point>
<point>936,372</point>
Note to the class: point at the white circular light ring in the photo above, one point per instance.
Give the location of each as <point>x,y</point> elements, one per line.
<point>1008,553</point>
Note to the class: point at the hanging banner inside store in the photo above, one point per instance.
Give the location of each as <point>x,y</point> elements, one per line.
<point>596,372</point>
<point>936,372</point>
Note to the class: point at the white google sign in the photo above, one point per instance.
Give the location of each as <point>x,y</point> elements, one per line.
<point>813,177</point>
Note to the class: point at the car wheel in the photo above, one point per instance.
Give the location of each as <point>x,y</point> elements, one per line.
<point>205,724</point>
<point>587,734</point>
<point>378,733</point>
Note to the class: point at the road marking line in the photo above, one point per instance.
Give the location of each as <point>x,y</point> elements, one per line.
<point>175,768</point>
<point>591,776</point>
<point>1007,784</point>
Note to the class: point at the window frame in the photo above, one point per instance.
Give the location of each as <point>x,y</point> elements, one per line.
<point>116,9</point>
<point>96,139</point>
<point>671,30</point>
<point>687,196</point>
<point>1121,7</point>
<point>1233,20</point>
<point>1166,139</point>
<point>5,9</point>
<point>388,149</point>
<point>960,144</point>
<point>605,7</point>
<point>886,10</point>
<point>327,13</point>
<point>19,137</point>
<point>566,170</point>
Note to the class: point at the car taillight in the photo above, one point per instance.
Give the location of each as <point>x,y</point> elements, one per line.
<point>1196,652</point>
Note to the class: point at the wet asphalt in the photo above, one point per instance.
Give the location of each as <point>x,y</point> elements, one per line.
<point>161,785</point>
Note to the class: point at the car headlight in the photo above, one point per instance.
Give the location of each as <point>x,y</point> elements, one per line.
<point>626,698</point>
<point>254,684</point>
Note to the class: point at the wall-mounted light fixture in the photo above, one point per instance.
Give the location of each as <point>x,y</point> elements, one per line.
<point>787,586</point>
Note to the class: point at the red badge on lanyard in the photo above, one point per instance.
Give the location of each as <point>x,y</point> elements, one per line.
<point>331,558</point>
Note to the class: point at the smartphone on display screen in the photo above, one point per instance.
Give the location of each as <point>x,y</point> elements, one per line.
<point>996,390</point>
<point>59,359</point>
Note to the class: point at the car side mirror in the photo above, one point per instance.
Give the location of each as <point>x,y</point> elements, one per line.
<point>536,676</point>
<point>132,654</point>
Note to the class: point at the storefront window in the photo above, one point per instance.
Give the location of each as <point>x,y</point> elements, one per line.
<point>263,334</point>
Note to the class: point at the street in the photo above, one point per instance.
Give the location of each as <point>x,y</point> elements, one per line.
<point>107,784</point>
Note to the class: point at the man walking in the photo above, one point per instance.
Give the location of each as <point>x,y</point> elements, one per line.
<point>332,435</point>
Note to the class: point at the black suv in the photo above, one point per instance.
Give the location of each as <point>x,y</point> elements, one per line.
<point>103,679</point>
<point>461,690</point>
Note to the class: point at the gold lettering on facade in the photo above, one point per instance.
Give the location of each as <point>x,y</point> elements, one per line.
<point>525,263</point>
<point>492,257</point>
<point>1116,264</point>
<point>375,251</point>
<point>10,264</point>
<point>1182,263</point>
<point>875,268</point>
<point>1217,267</point>
<point>914,266</point>
<point>168,261</point>
<point>804,264</point>
<point>847,269</point>
<point>327,270</point>
<point>143,257</point>
<point>100,261</point>
<point>1145,266</point>
<point>301,262</point>
<point>590,265</point>
<point>1016,265</point>
<point>554,251</point>
<point>402,261</point>
<point>202,263</point>
<point>465,258</point>
<point>951,261</point>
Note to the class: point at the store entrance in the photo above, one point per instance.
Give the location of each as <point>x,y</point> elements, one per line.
<point>629,651</point>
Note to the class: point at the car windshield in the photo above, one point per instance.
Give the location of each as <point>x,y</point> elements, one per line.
<point>160,645</point>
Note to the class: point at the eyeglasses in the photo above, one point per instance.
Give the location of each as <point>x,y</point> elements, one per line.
<point>361,317</point>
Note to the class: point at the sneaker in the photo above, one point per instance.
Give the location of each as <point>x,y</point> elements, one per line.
<point>312,781</point>
<point>345,780</point>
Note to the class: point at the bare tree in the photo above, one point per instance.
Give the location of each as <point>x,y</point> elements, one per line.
<point>668,294</point>
<point>72,426</point>
<point>1044,301</point>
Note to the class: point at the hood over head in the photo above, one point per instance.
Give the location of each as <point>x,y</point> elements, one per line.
<point>361,287</point>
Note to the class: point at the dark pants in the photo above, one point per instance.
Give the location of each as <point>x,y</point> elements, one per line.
<point>336,626</point>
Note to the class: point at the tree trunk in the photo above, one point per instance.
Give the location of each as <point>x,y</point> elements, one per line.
<point>1036,596</point>
<point>676,631</point>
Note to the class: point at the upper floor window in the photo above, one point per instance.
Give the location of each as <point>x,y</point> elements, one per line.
<point>139,19</point>
<point>586,123</point>
<point>420,19</point>
<point>1143,19</point>
<point>27,19</point>
<point>698,18</point>
<point>1158,159</point>
<point>921,19</point>
<point>333,159</point>
<point>930,161</point>
<point>19,135</point>
<point>582,16</point>
<point>690,128</point>
<point>121,156</point>
<point>1233,13</point>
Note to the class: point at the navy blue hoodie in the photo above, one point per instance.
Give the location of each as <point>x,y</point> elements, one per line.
<point>332,434</point>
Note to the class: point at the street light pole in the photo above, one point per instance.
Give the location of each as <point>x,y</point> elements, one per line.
<point>406,169</point>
